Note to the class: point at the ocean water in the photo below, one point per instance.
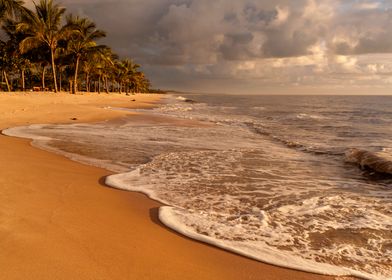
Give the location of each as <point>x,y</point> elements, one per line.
<point>303,182</point>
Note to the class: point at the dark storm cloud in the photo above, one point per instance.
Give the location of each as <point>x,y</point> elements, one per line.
<point>364,31</point>
<point>186,39</point>
<point>201,31</point>
<point>191,30</point>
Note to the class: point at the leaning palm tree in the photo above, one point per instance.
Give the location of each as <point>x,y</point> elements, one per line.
<point>43,27</point>
<point>83,34</point>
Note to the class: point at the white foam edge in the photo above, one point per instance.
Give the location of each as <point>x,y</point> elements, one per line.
<point>269,255</point>
<point>41,142</point>
<point>19,132</point>
<point>117,181</point>
<point>181,98</point>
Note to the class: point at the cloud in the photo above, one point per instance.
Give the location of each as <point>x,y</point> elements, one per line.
<point>368,5</point>
<point>263,42</point>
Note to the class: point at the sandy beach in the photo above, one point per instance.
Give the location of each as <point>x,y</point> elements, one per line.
<point>59,221</point>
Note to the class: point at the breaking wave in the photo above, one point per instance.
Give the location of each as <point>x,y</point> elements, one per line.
<point>376,161</point>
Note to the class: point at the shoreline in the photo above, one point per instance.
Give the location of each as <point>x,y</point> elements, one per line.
<point>84,229</point>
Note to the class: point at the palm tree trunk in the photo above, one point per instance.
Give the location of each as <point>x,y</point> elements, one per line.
<point>60,79</point>
<point>43,78</point>
<point>103,83</point>
<point>87,82</point>
<point>6,81</point>
<point>99,84</point>
<point>53,69</point>
<point>75,84</point>
<point>106,84</point>
<point>23,80</point>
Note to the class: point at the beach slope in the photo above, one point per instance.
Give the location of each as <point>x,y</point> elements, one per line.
<point>59,221</point>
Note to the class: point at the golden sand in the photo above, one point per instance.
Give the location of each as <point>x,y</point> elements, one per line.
<point>59,221</point>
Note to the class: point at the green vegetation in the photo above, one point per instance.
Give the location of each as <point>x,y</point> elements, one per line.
<point>33,42</point>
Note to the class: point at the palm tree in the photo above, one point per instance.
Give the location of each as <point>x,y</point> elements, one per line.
<point>128,70</point>
<point>41,58</point>
<point>20,61</point>
<point>119,74</point>
<point>5,63</point>
<point>43,27</point>
<point>104,60</point>
<point>139,82</point>
<point>12,8</point>
<point>93,66</point>
<point>81,41</point>
<point>88,67</point>
<point>129,78</point>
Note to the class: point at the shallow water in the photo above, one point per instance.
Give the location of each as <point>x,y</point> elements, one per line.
<point>274,178</point>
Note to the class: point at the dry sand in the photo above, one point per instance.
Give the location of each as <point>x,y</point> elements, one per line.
<point>58,221</point>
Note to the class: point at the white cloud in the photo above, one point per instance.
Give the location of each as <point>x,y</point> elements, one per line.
<point>368,5</point>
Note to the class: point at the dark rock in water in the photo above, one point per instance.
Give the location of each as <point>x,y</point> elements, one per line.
<point>369,160</point>
<point>133,100</point>
<point>74,119</point>
<point>190,101</point>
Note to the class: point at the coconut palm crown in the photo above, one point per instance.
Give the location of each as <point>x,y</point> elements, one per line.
<point>81,41</point>
<point>43,27</point>
<point>12,8</point>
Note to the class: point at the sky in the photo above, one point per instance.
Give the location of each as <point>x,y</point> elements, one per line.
<point>252,46</point>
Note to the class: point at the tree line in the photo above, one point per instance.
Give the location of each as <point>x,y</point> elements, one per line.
<point>47,49</point>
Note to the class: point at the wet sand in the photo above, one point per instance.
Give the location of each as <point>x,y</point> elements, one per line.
<point>59,221</point>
